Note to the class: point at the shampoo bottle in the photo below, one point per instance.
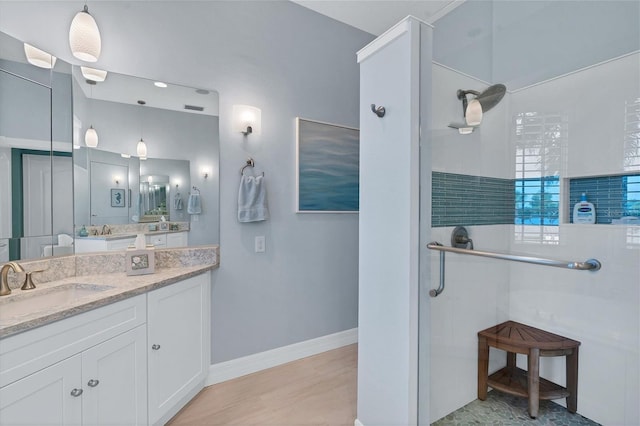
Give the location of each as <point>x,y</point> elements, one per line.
<point>583,211</point>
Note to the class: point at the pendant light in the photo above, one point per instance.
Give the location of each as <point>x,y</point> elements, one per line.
<point>84,37</point>
<point>91,136</point>
<point>38,57</point>
<point>141,148</point>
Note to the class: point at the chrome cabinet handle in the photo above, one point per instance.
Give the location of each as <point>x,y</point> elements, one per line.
<point>93,383</point>
<point>155,347</point>
<point>76,392</point>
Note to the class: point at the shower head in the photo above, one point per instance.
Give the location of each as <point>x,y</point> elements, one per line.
<point>473,109</point>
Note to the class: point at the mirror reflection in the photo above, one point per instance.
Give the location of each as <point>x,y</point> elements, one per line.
<point>52,164</point>
<point>135,175</point>
<point>35,153</point>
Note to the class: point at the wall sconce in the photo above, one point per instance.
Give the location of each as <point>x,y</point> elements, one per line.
<point>247,119</point>
<point>38,57</point>
<point>116,179</point>
<point>205,172</point>
<point>474,109</point>
<point>84,37</point>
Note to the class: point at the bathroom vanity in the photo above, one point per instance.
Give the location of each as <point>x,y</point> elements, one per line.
<point>113,350</point>
<point>159,239</point>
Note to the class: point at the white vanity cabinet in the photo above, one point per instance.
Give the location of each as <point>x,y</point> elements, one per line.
<point>88,369</point>
<point>44,397</point>
<point>178,342</point>
<point>159,240</point>
<point>134,362</point>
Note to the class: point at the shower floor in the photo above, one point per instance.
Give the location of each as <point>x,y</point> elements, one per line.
<point>503,409</point>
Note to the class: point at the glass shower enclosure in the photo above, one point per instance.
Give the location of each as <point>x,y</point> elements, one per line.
<point>568,124</point>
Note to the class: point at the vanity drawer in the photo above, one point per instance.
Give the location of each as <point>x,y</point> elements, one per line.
<point>25,353</point>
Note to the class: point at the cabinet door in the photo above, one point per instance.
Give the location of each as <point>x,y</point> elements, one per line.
<point>114,377</point>
<point>51,396</point>
<point>178,239</point>
<point>178,330</point>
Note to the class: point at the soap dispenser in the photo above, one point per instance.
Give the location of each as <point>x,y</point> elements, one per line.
<point>584,211</point>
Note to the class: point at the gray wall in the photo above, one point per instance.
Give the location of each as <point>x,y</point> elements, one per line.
<point>289,62</point>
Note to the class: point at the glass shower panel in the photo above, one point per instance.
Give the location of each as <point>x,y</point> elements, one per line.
<point>569,124</point>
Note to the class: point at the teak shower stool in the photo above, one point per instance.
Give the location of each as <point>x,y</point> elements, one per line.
<point>516,338</point>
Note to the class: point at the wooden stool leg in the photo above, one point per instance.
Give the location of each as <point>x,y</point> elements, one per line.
<point>572,381</point>
<point>483,367</point>
<point>511,361</point>
<point>533,375</point>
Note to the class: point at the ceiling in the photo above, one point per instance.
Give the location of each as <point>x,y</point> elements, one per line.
<point>377,16</point>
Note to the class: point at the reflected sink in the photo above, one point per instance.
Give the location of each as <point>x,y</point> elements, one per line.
<point>26,302</point>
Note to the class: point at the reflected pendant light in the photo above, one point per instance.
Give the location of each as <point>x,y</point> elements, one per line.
<point>141,148</point>
<point>38,57</point>
<point>90,136</point>
<point>84,37</point>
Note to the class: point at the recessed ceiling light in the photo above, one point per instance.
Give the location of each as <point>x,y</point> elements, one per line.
<point>160,84</point>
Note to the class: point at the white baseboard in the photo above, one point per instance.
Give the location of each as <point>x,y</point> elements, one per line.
<point>234,368</point>
<point>357,423</point>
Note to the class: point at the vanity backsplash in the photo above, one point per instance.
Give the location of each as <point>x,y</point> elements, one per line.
<point>134,228</point>
<point>61,267</point>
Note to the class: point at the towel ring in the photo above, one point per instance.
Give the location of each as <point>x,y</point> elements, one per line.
<point>196,190</point>
<point>250,163</point>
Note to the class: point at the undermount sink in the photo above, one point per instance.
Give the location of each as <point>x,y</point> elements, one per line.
<point>25,302</point>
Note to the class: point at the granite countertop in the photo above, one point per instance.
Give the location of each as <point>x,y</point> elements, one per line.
<point>118,285</point>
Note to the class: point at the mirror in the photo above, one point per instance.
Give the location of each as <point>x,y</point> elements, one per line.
<point>121,190</point>
<point>35,153</point>
<point>45,166</point>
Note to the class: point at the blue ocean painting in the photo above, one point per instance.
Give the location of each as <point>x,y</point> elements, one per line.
<point>328,167</point>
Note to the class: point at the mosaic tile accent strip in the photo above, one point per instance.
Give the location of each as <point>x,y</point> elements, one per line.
<point>613,196</point>
<point>471,200</point>
<point>503,409</point>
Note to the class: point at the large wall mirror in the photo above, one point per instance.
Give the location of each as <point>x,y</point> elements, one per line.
<point>121,190</point>
<point>35,153</point>
<point>55,189</point>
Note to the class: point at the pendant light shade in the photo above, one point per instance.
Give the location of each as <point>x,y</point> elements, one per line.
<point>93,74</point>
<point>91,137</point>
<point>141,148</point>
<point>84,37</point>
<point>38,57</point>
<point>473,114</point>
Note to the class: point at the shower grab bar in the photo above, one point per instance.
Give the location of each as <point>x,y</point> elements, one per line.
<point>588,265</point>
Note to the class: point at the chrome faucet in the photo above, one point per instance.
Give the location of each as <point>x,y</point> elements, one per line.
<point>4,280</point>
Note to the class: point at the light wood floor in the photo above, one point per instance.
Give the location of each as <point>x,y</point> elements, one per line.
<point>318,390</point>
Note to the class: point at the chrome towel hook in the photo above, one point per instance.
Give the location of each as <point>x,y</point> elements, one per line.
<point>380,111</point>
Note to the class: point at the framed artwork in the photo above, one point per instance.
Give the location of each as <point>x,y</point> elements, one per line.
<point>140,262</point>
<point>327,167</point>
<point>117,198</point>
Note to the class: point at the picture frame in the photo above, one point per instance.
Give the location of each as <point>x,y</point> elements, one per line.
<point>118,198</point>
<point>327,167</point>
<point>140,261</point>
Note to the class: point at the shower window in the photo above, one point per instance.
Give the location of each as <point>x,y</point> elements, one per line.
<point>632,135</point>
<point>537,201</point>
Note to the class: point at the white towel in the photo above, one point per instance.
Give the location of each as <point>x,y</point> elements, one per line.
<point>65,240</point>
<point>252,199</point>
<point>193,205</point>
<point>177,202</point>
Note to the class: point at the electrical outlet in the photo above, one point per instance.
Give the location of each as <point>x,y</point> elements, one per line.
<point>259,244</point>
